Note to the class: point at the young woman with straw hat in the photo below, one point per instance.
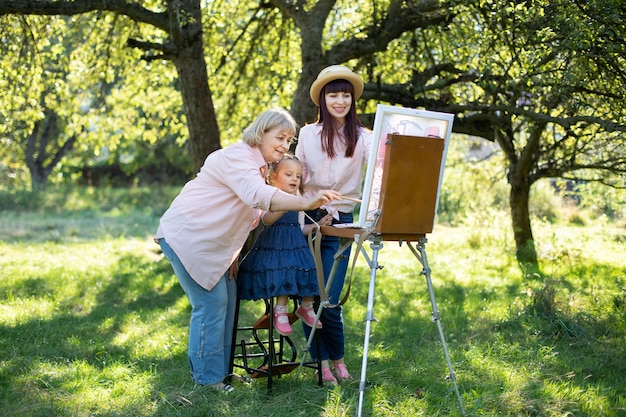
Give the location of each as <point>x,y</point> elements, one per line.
<point>333,151</point>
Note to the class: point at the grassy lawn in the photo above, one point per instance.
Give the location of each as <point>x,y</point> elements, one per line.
<point>93,322</point>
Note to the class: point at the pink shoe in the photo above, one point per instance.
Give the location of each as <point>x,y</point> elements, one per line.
<point>307,315</point>
<point>281,324</point>
<point>342,372</point>
<point>327,376</point>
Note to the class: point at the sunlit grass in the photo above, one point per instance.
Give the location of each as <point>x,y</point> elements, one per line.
<point>77,388</point>
<point>94,323</point>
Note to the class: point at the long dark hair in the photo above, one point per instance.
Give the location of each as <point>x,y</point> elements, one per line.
<point>330,131</point>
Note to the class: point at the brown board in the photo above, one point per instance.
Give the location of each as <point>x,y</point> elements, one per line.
<point>410,184</point>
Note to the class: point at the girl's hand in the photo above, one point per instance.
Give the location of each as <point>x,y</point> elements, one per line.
<point>327,220</point>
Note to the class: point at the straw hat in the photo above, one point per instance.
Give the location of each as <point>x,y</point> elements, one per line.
<point>335,72</point>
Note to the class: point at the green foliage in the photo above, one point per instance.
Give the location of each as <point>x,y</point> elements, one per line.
<point>545,201</point>
<point>473,190</point>
<point>603,201</point>
<point>79,68</point>
<point>244,81</point>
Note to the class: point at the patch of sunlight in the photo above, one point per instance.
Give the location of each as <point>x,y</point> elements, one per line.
<point>79,385</point>
<point>20,311</point>
<point>566,396</point>
<point>50,255</point>
<point>379,351</point>
<point>131,330</point>
<point>77,257</point>
<point>335,405</point>
<point>391,400</point>
<point>599,243</point>
<point>498,376</point>
<point>153,337</point>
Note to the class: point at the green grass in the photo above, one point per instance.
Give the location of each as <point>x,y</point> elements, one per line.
<point>93,322</point>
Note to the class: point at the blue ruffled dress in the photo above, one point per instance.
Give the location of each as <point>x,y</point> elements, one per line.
<point>279,263</point>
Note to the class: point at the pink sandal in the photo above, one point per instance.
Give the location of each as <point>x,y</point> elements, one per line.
<point>281,323</point>
<point>327,376</point>
<point>342,372</point>
<point>308,316</point>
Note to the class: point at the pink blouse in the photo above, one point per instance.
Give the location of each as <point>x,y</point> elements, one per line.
<point>340,173</point>
<point>210,219</point>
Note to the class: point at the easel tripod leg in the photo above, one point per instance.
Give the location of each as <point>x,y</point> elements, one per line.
<point>324,303</point>
<point>376,246</point>
<point>421,257</point>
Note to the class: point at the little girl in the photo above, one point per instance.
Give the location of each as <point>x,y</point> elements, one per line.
<point>280,262</point>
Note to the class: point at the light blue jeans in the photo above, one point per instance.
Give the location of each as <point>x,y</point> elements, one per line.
<point>211,323</point>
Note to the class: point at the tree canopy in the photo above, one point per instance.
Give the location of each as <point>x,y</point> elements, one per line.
<point>545,80</point>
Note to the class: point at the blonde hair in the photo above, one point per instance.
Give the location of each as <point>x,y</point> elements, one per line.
<point>270,119</point>
<point>275,167</point>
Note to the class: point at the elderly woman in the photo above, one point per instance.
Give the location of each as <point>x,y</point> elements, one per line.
<point>204,229</point>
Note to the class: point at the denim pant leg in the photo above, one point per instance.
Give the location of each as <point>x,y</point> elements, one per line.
<point>211,323</point>
<point>331,336</point>
<point>231,288</point>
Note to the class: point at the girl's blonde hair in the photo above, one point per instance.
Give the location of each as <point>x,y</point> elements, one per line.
<point>270,119</point>
<point>275,167</point>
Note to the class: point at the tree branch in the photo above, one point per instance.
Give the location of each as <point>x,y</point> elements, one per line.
<point>168,50</point>
<point>69,8</point>
<point>401,17</point>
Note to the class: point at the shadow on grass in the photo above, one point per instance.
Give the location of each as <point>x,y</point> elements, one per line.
<point>43,356</point>
<point>523,364</point>
<point>53,365</point>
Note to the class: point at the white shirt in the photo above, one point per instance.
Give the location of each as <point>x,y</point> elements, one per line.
<point>339,173</point>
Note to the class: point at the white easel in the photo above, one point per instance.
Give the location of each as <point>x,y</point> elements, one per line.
<point>403,216</point>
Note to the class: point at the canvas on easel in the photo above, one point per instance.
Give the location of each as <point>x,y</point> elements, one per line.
<point>409,186</point>
<point>405,170</point>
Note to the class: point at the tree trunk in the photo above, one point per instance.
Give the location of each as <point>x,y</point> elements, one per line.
<point>313,60</point>
<point>204,134</point>
<point>302,107</point>
<point>45,148</point>
<point>519,199</point>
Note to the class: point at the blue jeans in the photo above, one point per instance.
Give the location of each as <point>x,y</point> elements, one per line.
<point>211,323</point>
<point>331,336</point>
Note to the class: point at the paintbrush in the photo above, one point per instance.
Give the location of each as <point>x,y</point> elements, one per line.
<point>356,200</point>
